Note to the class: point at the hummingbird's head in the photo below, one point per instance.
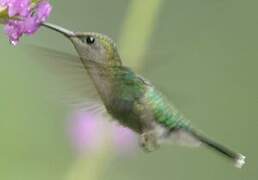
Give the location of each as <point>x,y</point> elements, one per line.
<point>91,47</point>
<point>96,47</point>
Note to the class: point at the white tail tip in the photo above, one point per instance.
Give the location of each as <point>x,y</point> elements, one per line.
<point>240,161</point>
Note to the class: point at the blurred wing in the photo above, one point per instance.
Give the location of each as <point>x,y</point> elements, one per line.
<point>71,82</point>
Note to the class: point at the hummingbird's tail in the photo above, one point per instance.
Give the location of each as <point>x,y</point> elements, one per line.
<point>238,159</point>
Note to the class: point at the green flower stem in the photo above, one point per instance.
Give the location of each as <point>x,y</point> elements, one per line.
<point>90,166</point>
<point>3,15</point>
<point>137,29</point>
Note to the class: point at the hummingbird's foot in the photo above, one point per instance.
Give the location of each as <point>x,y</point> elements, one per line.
<point>148,141</point>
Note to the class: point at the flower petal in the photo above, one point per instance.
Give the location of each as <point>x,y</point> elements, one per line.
<point>18,7</point>
<point>14,30</point>
<point>43,11</point>
<point>29,19</point>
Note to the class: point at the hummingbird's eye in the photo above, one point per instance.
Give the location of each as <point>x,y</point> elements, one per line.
<point>90,40</point>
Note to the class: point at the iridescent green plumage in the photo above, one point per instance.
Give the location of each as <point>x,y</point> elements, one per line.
<point>133,101</point>
<point>164,112</point>
<point>134,96</point>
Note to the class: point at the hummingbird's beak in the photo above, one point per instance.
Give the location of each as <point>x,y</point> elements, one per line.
<point>59,29</point>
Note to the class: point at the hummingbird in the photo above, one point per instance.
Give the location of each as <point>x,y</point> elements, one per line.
<point>133,101</point>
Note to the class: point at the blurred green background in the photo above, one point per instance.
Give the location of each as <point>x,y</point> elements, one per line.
<point>201,54</point>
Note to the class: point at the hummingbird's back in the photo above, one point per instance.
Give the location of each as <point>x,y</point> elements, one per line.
<point>164,113</point>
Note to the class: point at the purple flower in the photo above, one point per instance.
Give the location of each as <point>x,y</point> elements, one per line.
<point>124,140</point>
<point>89,132</point>
<point>43,11</point>
<point>28,19</point>
<point>14,31</point>
<point>18,7</point>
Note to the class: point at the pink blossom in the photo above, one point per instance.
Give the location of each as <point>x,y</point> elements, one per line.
<point>14,30</point>
<point>90,133</point>
<point>43,11</point>
<point>16,7</point>
<point>28,19</point>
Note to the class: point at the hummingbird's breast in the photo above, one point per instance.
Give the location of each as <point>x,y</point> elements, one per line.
<point>119,89</point>
<point>127,90</point>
